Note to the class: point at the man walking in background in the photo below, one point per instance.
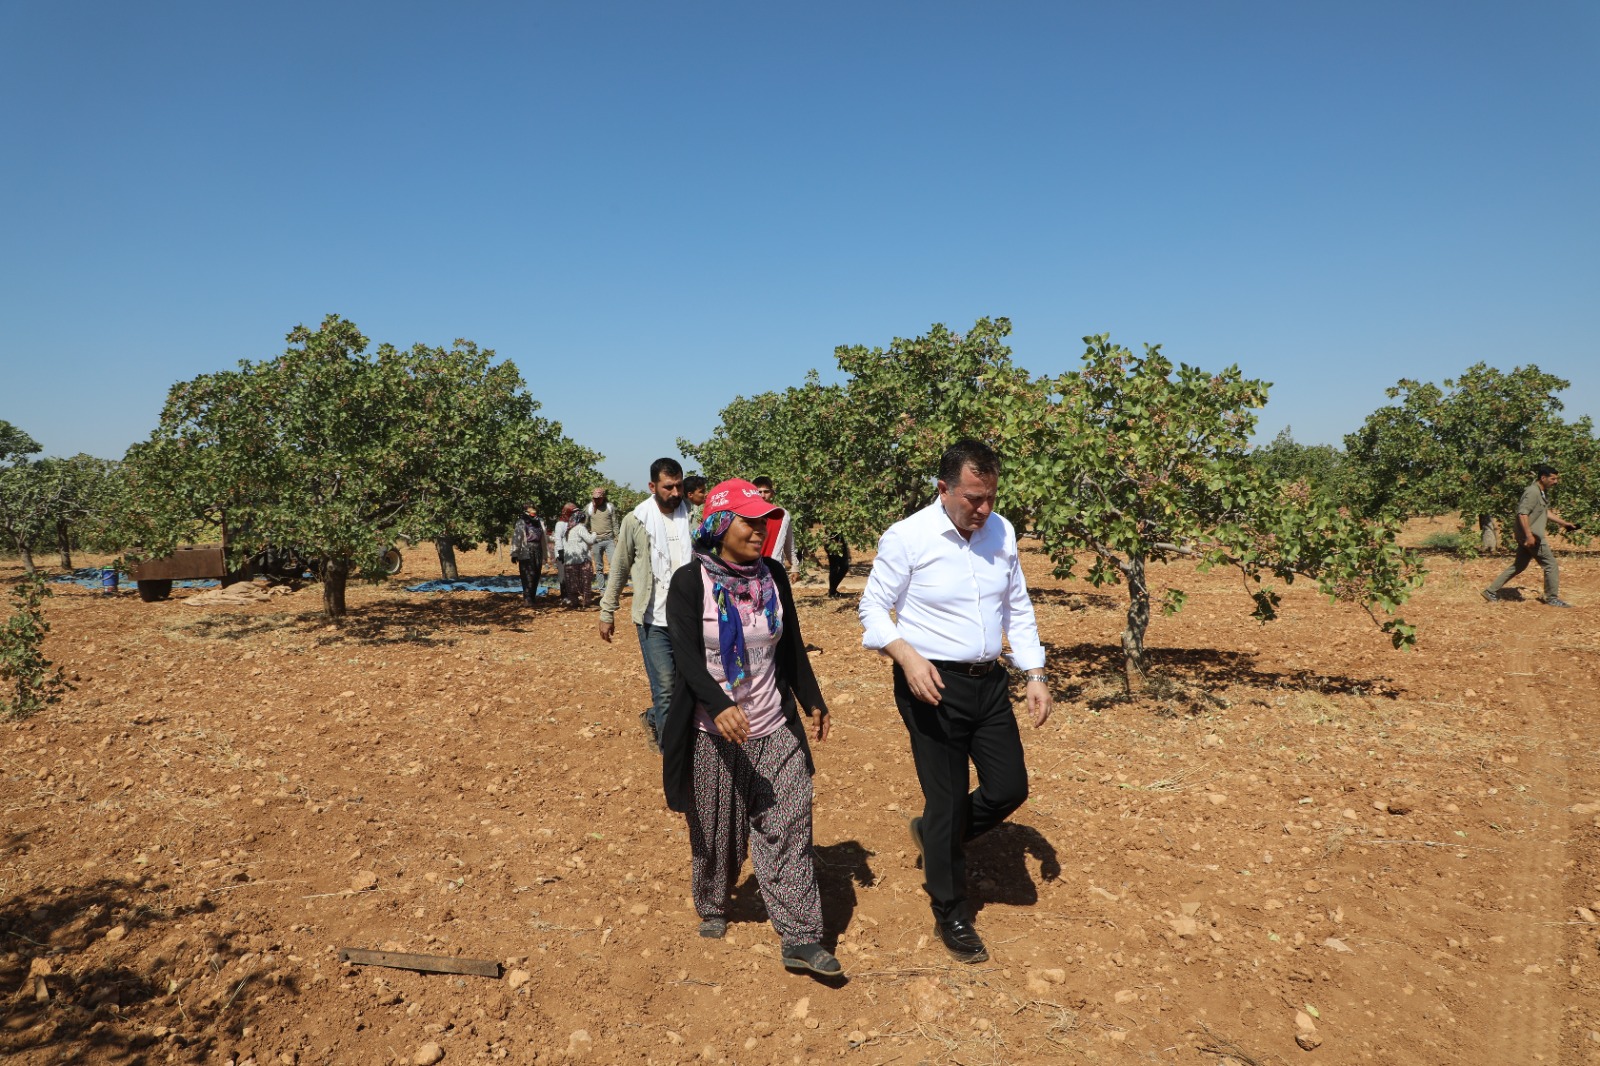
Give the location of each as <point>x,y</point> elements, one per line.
<point>602,522</point>
<point>780,532</point>
<point>653,541</point>
<point>952,575</point>
<point>1533,518</point>
<point>694,494</point>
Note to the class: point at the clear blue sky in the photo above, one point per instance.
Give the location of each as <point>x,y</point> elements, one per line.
<point>652,208</point>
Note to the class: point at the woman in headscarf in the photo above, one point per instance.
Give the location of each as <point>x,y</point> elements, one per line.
<point>528,549</point>
<point>578,575</point>
<point>735,758</point>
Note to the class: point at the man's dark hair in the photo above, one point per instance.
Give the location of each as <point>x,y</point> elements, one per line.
<point>761,481</point>
<point>1544,470</point>
<point>670,466</point>
<point>964,453</point>
<point>693,483</point>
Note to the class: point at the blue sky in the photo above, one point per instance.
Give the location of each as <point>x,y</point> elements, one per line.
<point>652,208</point>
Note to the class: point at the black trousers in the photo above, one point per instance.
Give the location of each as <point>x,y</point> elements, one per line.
<point>528,571</point>
<point>973,721</point>
<point>838,562</point>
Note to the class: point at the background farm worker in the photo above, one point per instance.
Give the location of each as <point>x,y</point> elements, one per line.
<point>577,580</point>
<point>528,543</point>
<point>653,543</point>
<point>602,520</point>
<point>780,538</point>
<point>558,542</point>
<point>952,575</point>
<point>694,494</point>
<point>838,552</point>
<point>736,762</point>
<point>1533,517</point>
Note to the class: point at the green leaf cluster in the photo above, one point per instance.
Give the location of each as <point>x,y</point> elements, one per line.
<point>28,680</point>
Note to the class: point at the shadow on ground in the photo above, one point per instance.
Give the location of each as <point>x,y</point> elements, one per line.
<point>997,865</point>
<point>434,622</point>
<point>1205,670</point>
<point>85,982</point>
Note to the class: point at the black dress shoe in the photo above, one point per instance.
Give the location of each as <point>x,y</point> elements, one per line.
<point>961,940</point>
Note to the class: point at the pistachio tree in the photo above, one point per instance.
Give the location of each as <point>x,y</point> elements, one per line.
<point>855,458</point>
<point>331,450</point>
<point>1469,446</point>
<point>791,437</point>
<point>1132,460</point>
<point>487,452</point>
<point>22,512</point>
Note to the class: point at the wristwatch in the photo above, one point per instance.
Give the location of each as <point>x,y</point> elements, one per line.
<point>1040,676</point>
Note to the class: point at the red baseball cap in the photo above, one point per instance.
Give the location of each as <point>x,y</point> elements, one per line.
<point>742,498</point>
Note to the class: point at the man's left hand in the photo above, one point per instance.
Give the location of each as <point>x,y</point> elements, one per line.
<point>1039,702</point>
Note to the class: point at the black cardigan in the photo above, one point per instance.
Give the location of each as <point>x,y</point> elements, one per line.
<point>694,683</point>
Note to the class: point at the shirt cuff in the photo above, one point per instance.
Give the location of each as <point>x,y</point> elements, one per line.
<point>880,635</point>
<point>1030,659</point>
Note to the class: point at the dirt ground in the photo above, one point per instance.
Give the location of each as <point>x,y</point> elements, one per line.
<point>1399,849</point>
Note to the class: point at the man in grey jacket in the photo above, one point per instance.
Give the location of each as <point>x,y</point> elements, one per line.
<point>652,542</point>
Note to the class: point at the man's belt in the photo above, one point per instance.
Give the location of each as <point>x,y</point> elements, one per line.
<point>970,669</point>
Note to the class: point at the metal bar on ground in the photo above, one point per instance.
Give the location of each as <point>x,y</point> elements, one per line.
<point>401,960</point>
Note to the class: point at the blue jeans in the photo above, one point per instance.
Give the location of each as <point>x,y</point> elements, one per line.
<point>604,551</point>
<point>658,666</point>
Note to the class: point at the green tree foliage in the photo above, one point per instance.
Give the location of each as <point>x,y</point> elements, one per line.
<point>79,498</point>
<point>22,512</point>
<point>1320,467</point>
<point>852,459</point>
<point>331,450</point>
<point>1135,461</point>
<point>1470,446</point>
<point>903,406</point>
<point>789,437</point>
<point>487,452</point>
<point>27,680</point>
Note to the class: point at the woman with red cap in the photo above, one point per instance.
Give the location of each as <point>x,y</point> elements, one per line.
<point>735,757</point>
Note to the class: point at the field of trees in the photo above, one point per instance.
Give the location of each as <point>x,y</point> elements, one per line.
<point>1306,795</point>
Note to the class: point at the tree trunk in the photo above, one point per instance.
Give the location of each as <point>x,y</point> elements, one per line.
<point>447,558</point>
<point>64,543</point>
<point>1491,533</point>
<point>1134,668</point>
<point>335,573</point>
<point>27,556</point>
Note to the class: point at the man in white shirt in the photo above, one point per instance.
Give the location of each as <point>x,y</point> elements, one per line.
<point>653,541</point>
<point>952,575</point>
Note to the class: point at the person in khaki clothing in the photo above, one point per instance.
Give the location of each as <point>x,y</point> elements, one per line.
<point>1533,518</point>
<point>652,542</point>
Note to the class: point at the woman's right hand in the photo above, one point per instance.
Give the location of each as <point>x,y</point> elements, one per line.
<point>733,725</point>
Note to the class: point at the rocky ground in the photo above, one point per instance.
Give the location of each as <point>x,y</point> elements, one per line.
<point>1302,847</point>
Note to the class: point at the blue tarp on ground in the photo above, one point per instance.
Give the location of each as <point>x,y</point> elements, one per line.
<point>503,583</point>
<point>89,578</point>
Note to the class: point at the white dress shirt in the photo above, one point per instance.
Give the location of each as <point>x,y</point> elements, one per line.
<point>954,597</point>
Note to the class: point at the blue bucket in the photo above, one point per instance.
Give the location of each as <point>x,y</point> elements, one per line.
<point>108,581</point>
